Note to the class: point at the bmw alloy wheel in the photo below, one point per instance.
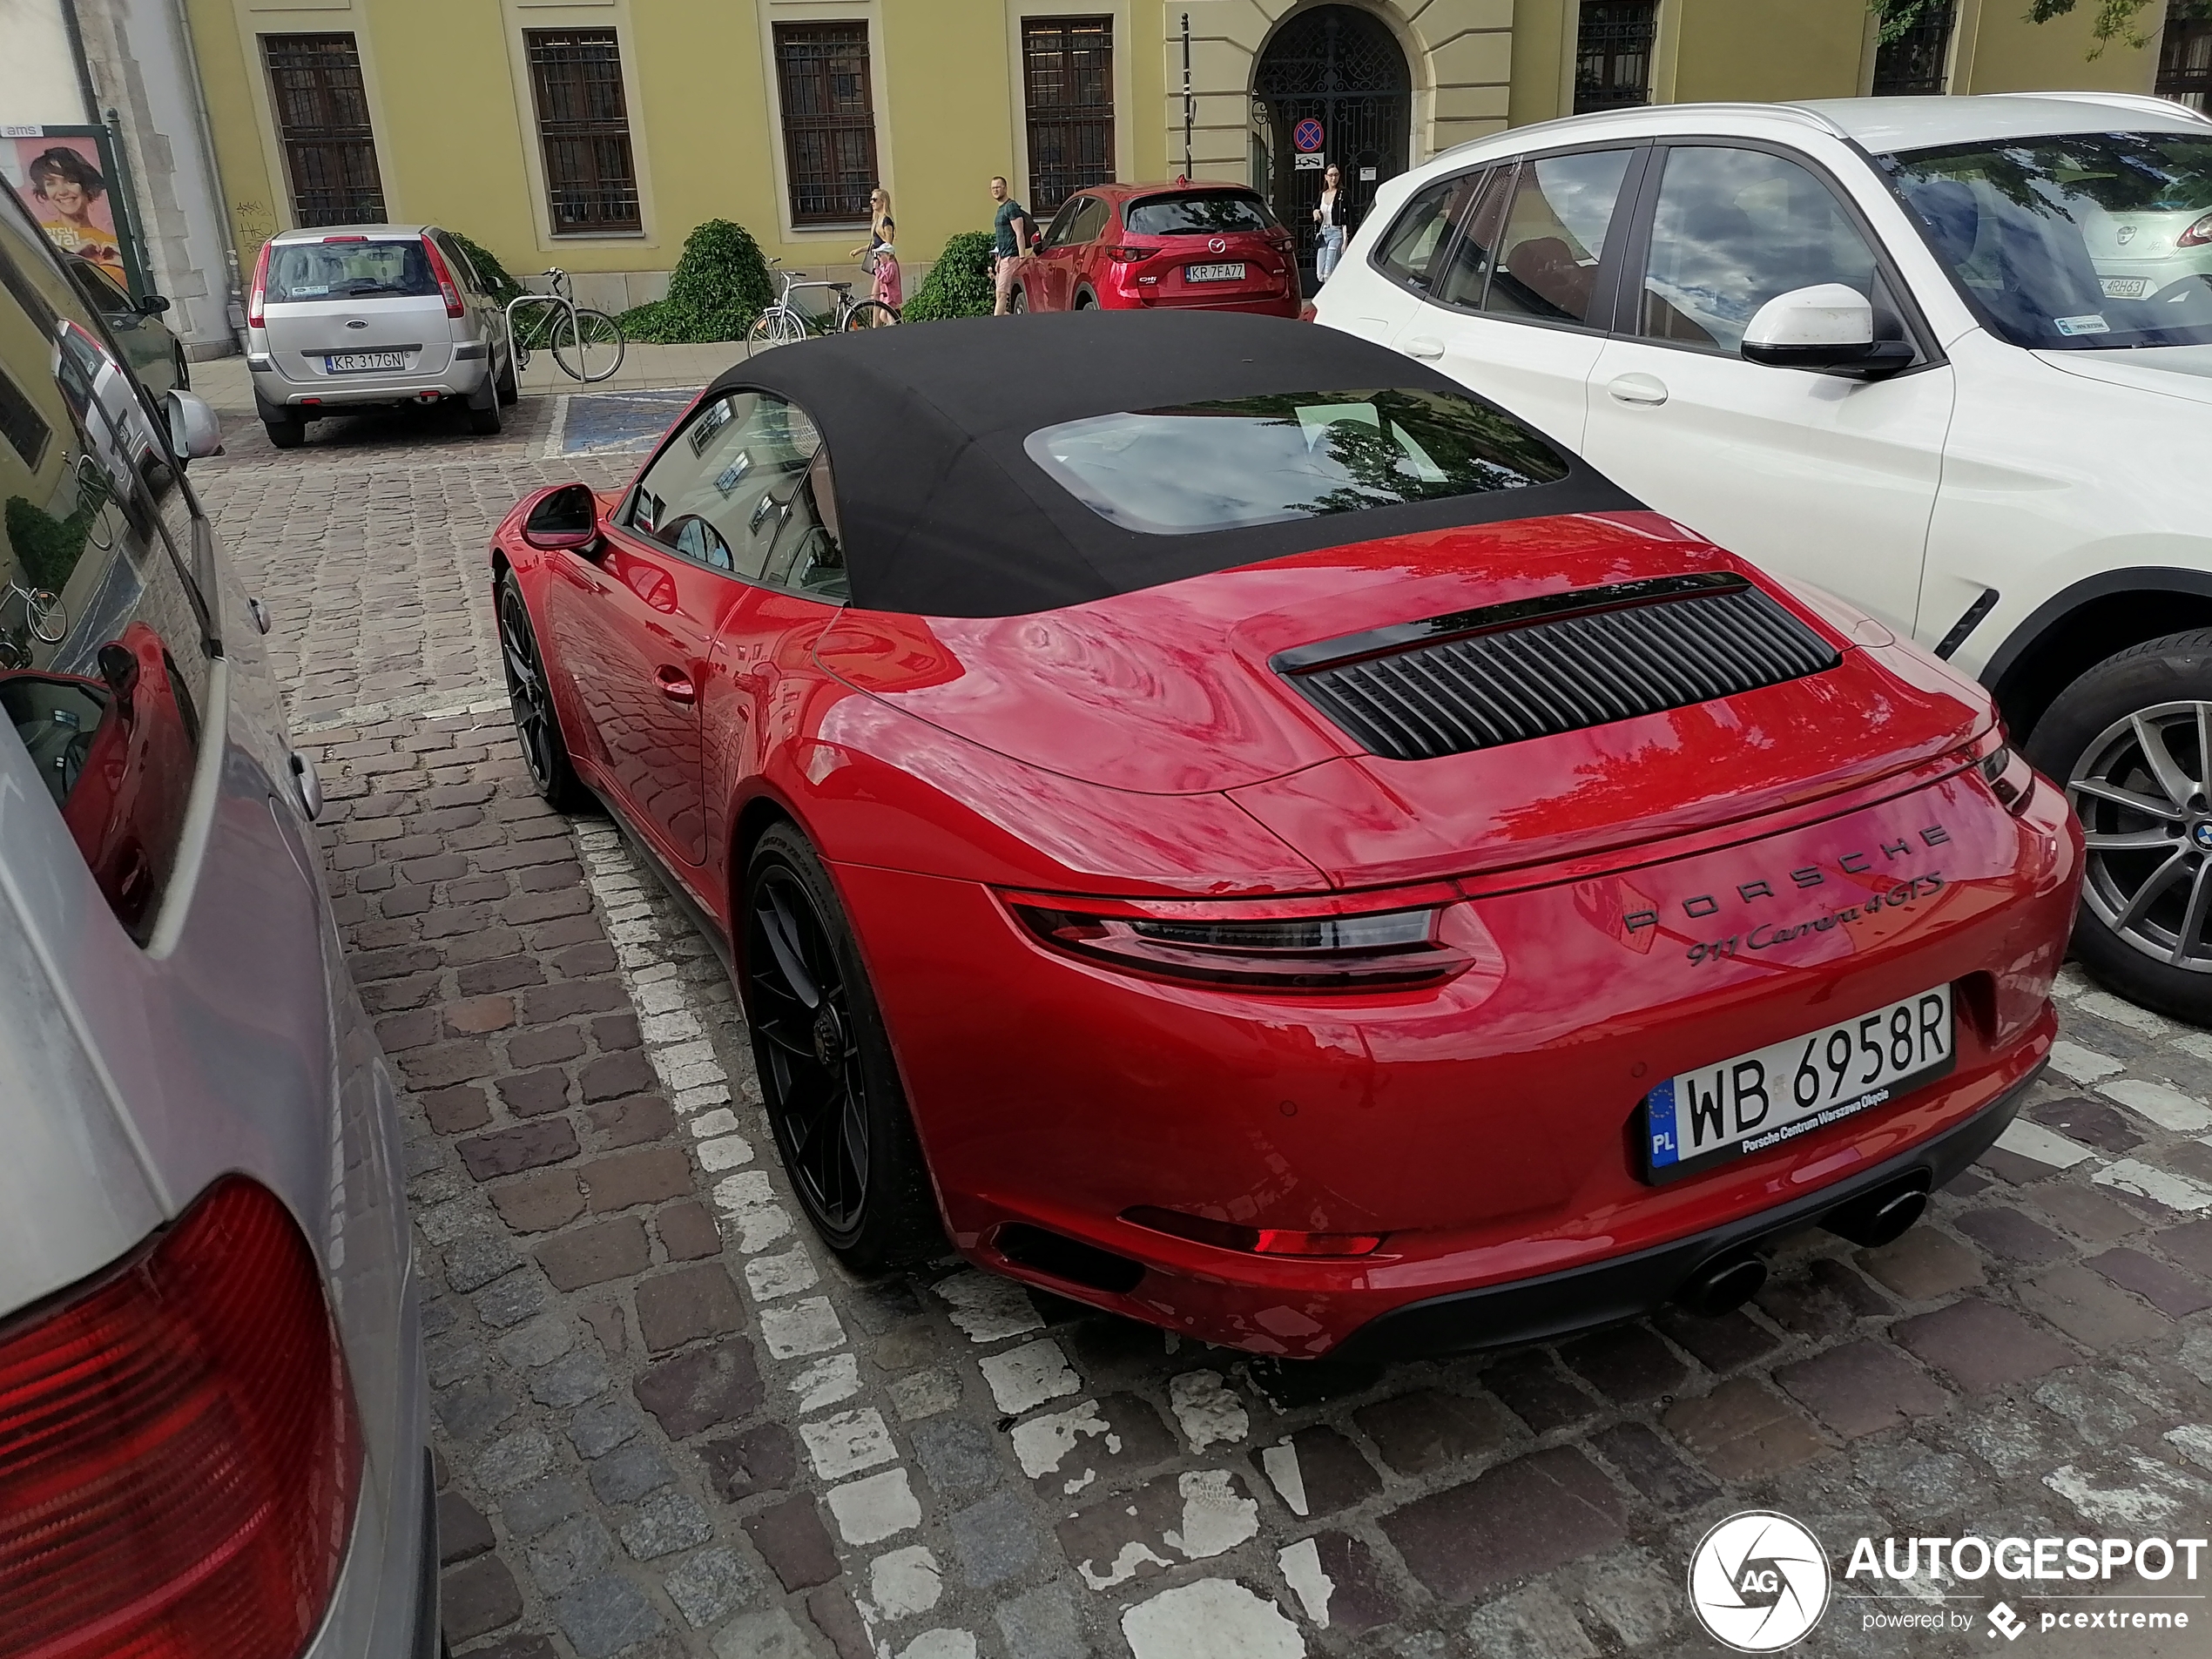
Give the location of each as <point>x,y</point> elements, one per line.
<point>2143,791</point>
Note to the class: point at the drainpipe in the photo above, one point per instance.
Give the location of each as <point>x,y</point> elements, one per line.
<point>234,302</point>
<point>85,89</point>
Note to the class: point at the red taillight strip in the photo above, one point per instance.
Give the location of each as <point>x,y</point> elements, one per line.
<point>180,1454</point>
<point>445,286</point>
<point>255,299</point>
<point>1263,909</point>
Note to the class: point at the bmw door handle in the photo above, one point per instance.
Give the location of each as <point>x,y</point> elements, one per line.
<point>1427,348</point>
<point>1647,391</point>
<point>675,684</point>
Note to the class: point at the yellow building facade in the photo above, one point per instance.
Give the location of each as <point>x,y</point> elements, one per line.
<point>595,134</point>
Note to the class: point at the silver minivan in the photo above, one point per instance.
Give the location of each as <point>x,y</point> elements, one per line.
<point>213,1420</point>
<point>346,317</point>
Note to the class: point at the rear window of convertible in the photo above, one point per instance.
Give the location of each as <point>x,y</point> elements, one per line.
<point>1239,461</point>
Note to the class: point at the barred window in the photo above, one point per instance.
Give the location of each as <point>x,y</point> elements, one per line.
<point>584,130</point>
<point>1068,81</point>
<point>1613,54</point>
<point>829,120</point>
<point>2185,57</point>
<point>322,120</point>
<point>1914,63</point>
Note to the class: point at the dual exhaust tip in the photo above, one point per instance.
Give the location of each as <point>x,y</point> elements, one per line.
<point>1878,1218</point>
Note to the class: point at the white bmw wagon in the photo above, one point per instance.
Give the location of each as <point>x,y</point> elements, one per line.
<point>1950,358</point>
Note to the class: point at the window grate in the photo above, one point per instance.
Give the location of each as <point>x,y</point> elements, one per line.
<point>1534,669</point>
<point>2185,59</point>
<point>584,130</point>
<point>1613,54</point>
<point>1913,64</point>
<point>829,120</point>
<point>323,122</point>
<point>1067,82</point>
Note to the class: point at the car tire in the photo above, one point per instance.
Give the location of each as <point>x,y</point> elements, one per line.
<point>286,431</point>
<point>1086,302</point>
<point>484,419</point>
<point>1017,303</point>
<point>2128,742</point>
<point>830,1085</point>
<point>508,390</point>
<point>529,695</point>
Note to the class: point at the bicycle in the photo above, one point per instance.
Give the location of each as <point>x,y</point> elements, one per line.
<point>587,344</point>
<point>783,322</point>
<point>43,618</point>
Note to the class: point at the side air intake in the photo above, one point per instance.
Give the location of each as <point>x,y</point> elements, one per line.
<point>1535,667</point>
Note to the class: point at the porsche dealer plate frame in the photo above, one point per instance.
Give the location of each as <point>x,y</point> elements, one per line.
<point>1754,1100</point>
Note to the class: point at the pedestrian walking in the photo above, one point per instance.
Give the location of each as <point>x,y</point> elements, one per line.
<point>1012,228</point>
<point>880,259</point>
<point>1328,243</point>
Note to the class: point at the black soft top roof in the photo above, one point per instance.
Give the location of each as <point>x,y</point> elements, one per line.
<point>942,513</point>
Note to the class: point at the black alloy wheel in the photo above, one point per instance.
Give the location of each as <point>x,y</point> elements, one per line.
<point>2131,744</point>
<point>537,727</point>
<point>827,1074</point>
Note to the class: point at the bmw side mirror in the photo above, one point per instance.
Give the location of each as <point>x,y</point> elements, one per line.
<point>194,429</point>
<point>564,520</point>
<point>1828,328</point>
<point>154,304</point>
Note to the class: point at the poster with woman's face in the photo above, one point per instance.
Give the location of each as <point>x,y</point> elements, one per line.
<point>60,180</point>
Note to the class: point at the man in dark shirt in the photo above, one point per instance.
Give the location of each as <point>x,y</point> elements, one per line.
<point>1011,227</point>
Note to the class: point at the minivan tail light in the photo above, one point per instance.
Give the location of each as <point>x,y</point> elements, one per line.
<point>255,299</point>
<point>180,1454</point>
<point>446,286</point>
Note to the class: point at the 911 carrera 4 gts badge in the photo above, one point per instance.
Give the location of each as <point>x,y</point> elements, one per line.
<point>1854,867</point>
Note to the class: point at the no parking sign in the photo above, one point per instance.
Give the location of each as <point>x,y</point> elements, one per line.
<point>1306,138</point>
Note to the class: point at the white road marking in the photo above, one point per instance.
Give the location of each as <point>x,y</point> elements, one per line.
<point>1215,1516</point>
<point>2168,1108</point>
<point>1206,1410</point>
<point>987,1308</point>
<point>1028,1376</point>
<point>1309,1580</point>
<point>2082,1066</point>
<point>2033,1141</point>
<point>905,1582</point>
<point>1214,1618</point>
<point>2160,1186</point>
<point>880,1506</point>
<point>847,1442</point>
<point>784,1274</point>
<point>825,1381</point>
<point>1282,1467</point>
<point>808,1325</point>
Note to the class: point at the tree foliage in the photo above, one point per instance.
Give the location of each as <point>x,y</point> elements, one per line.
<point>959,285</point>
<point>719,286</point>
<point>2119,20</point>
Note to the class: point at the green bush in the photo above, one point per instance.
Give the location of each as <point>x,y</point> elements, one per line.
<point>719,286</point>
<point>959,285</point>
<point>503,286</point>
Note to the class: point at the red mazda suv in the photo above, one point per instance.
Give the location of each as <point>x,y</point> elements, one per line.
<point>1127,247</point>
<point>1246,833</point>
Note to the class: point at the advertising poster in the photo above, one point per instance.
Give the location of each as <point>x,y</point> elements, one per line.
<point>65,181</point>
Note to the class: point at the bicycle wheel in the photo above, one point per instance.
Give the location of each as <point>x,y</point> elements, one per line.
<point>588,344</point>
<point>778,326</point>
<point>42,608</point>
<point>869,313</point>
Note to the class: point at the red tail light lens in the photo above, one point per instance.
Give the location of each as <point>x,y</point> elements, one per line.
<point>179,1457</point>
<point>445,284</point>
<point>1257,1241</point>
<point>253,318</point>
<point>1130,255</point>
<point>2010,779</point>
<point>2199,233</point>
<point>1300,947</point>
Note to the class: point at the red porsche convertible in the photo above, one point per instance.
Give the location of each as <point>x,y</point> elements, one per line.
<point>1250,836</point>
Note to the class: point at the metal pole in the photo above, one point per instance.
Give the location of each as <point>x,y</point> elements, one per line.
<point>1187,108</point>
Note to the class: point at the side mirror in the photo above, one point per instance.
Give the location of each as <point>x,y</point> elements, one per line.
<point>564,520</point>
<point>194,429</point>
<point>154,304</point>
<point>1829,328</point>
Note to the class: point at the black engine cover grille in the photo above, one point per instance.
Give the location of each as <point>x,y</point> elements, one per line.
<point>1476,679</point>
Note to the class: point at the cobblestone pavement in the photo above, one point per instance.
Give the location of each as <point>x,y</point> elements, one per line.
<point>666,1423</point>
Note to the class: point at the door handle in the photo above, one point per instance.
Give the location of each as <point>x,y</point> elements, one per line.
<point>1427,348</point>
<point>675,684</point>
<point>1646,389</point>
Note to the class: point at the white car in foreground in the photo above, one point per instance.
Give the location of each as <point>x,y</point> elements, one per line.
<point>1948,357</point>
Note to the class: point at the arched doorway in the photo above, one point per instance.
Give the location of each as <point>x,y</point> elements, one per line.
<point>1341,66</point>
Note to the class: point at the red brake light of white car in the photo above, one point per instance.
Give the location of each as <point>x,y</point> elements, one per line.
<point>254,302</point>
<point>2199,233</point>
<point>1300,947</point>
<point>446,285</point>
<point>179,1456</point>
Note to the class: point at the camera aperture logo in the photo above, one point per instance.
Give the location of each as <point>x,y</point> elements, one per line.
<point>1758,1582</point>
